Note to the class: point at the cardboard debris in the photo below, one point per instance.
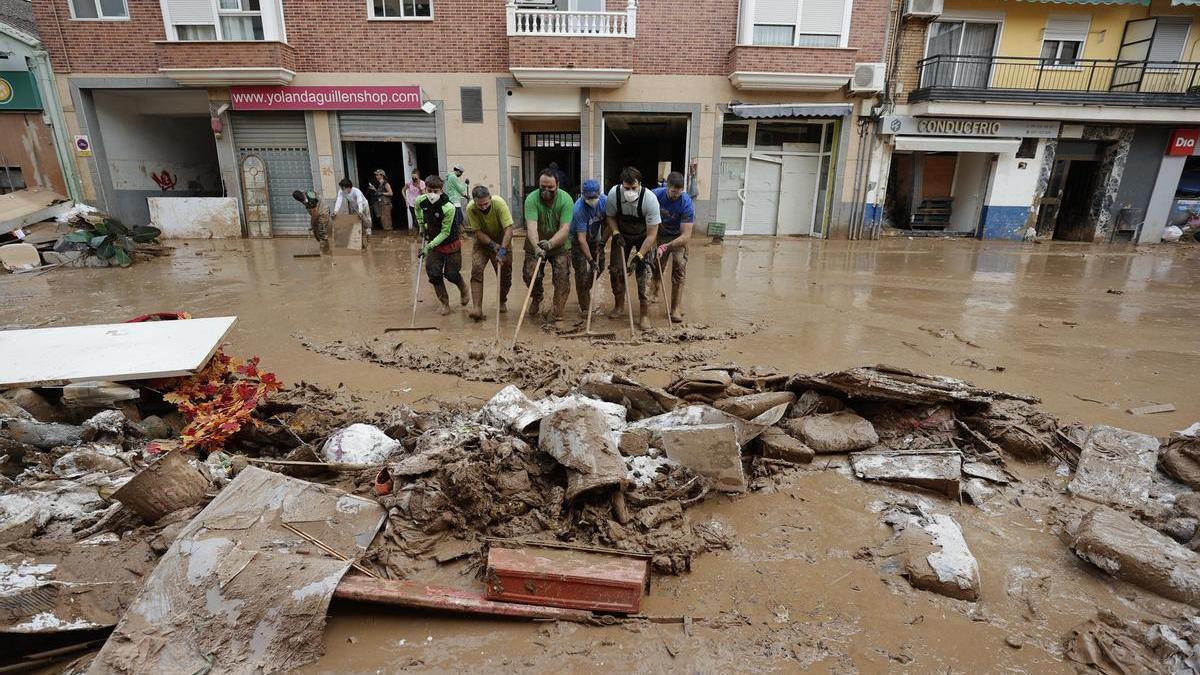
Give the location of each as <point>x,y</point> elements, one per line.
<point>237,591</point>
<point>1115,467</point>
<point>115,352</point>
<point>710,450</point>
<point>1132,552</point>
<point>939,470</point>
<point>580,439</point>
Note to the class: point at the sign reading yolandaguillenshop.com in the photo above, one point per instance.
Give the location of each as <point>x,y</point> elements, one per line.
<point>965,127</point>
<point>326,98</point>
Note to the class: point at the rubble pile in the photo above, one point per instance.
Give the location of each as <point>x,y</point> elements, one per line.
<point>603,462</point>
<point>81,237</point>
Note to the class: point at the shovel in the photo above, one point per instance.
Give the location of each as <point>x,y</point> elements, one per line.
<point>416,294</point>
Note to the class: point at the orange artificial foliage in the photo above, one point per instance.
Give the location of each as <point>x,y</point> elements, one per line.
<point>219,399</point>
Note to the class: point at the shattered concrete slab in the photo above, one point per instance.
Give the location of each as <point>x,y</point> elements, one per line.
<point>833,433</point>
<point>777,444</point>
<point>239,592</point>
<point>710,450</point>
<point>935,555</point>
<point>939,471</point>
<point>1115,467</point>
<point>1140,555</point>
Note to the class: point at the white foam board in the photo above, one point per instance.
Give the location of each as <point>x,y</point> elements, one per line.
<point>115,352</point>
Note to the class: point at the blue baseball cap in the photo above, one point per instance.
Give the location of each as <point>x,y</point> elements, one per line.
<point>591,188</point>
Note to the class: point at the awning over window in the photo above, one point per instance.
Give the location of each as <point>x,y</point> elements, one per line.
<point>942,144</point>
<point>764,111</point>
<point>1145,3</point>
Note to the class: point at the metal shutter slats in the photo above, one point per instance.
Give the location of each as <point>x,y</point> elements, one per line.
<point>411,126</point>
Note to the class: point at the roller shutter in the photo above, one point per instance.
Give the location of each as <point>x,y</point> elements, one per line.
<point>281,140</point>
<point>413,126</point>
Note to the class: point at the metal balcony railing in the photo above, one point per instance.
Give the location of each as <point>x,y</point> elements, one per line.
<point>550,22</point>
<point>1045,80</point>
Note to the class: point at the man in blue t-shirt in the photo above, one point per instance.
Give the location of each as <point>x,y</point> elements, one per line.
<point>587,255</point>
<point>678,218</point>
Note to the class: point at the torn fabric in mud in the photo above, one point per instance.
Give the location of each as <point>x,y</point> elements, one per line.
<point>238,591</point>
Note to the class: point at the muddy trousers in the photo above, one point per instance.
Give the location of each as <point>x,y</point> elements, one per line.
<point>583,275</point>
<point>622,248</point>
<point>560,273</point>
<point>385,213</point>
<point>674,262</point>
<point>443,267</point>
<point>483,257</point>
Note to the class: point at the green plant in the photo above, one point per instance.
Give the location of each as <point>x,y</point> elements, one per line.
<point>113,240</point>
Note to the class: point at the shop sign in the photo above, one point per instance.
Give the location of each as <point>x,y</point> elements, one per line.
<point>1183,142</point>
<point>83,147</point>
<point>967,127</point>
<point>326,98</point>
<point>18,91</point>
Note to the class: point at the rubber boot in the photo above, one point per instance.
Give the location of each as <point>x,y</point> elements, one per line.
<point>560,306</point>
<point>443,297</point>
<point>653,295</point>
<point>644,317</point>
<point>477,296</point>
<point>464,295</point>
<point>677,302</point>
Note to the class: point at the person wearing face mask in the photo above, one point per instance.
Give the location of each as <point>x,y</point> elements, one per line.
<point>413,189</point>
<point>678,217</point>
<point>351,200</point>
<point>456,188</point>
<point>587,252</point>
<point>491,221</point>
<point>442,251</point>
<point>633,217</point>
<point>547,240</point>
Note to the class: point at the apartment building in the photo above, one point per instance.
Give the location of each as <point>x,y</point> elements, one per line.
<point>1076,120</point>
<point>758,103</point>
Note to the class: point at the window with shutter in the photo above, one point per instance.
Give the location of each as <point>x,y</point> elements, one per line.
<point>471,99</point>
<point>821,23</point>
<point>798,23</point>
<point>1170,37</point>
<point>1063,39</point>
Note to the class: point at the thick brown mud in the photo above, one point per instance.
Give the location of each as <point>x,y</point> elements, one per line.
<point>808,583</point>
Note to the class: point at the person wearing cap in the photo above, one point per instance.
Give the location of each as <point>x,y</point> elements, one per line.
<point>674,232</point>
<point>456,188</point>
<point>587,251</point>
<point>489,219</point>
<point>382,190</point>
<point>319,221</point>
<point>547,240</point>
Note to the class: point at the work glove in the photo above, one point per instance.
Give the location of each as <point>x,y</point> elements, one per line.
<point>637,259</point>
<point>545,246</point>
<point>598,265</point>
<point>426,249</point>
<point>501,253</point>
<point>662,250</point>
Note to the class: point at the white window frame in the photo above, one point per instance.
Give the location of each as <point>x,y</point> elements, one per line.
<point>966,17</point>
<point>1082,48</point>
<point>99,15</point>
<point>746,24</point>
<point>1186,39</point>
<point>271,12</point>
<point>371,13</point>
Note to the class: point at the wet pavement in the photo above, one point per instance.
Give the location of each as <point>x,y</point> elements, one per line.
<point>1092,330</point>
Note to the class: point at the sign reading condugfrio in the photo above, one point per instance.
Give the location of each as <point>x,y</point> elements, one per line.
<point>967,127</point>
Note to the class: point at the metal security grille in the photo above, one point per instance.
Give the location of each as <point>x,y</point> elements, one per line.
<point>281,140</point>
<point>539,148</point>
<point>413,126</point>
<point>471,99</point>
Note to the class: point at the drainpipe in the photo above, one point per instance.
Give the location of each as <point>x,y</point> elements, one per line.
<point>39,65</point>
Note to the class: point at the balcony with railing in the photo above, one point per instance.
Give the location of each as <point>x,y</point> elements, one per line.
<point>1050,80</point>
<point>552,47</point>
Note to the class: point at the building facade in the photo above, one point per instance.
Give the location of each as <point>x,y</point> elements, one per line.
<point>764,104</point>
<point>1074,120</point>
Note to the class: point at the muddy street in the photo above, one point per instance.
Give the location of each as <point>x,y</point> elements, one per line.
<point>803,571</point>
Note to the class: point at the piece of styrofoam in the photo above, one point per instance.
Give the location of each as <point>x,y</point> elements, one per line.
<point>113,352</point>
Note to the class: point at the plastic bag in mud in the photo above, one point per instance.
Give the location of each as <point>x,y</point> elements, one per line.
<point>359,444</point>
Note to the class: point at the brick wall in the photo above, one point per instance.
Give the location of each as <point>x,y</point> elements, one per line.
<point>792,60</point>
<point>225,55</point>
<point>912,50</point>
<point>565,52</point>
<point>101,46</point>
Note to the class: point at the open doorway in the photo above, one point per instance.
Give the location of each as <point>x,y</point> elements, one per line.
<point>653,143</point>
<point>1066,208</point>
<point>397,159</point>
<point>558,150</point>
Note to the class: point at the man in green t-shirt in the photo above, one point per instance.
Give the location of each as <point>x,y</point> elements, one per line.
<point>547,240</point>
<point>490,221</point>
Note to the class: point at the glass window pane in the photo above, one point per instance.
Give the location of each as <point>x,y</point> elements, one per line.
<point>1050,50</point>
<point>84,9</point>
<point>827,146</point>
<point>944,37</point>
<point>241,27</point>
<point>231,4</point>
<point>773,36</point>
<point>251,5</point>
<point>773,136</point>
<point>1069,53</point>
<point>196,32</point>
<point>735,135</point>
<point>418,8</point>
<point>811,40</point>
<point>113,8</point>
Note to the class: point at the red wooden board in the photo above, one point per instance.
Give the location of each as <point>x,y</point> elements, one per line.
<point>567,578</point>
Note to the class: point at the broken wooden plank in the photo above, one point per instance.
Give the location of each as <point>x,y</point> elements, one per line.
<point>1152,409</point>
<point>416,595</point>
<point>568,579</point>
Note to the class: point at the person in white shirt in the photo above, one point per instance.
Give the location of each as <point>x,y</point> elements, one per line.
<point>352,201</point>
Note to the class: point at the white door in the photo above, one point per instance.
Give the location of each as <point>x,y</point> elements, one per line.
<point>761,210</point>
<point>798,194</point>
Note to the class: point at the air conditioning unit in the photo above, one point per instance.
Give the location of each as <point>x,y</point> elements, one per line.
<point>868,77</point>
<point>923,8</point>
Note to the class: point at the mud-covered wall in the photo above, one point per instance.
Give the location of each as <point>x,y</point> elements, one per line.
<point>1141,170</point>
<point>27,143</point>
<point>1108,178</point>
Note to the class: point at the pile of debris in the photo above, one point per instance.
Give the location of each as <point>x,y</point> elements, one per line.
<point>610,467</point>
<point>79,237</point>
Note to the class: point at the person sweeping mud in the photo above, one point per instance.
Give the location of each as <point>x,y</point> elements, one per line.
<point>442,251</point>
<point>587,252</point>
<point>633,216</point>
<point>547,240</point>
<point>674,232</point>
<point>490,220</point>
